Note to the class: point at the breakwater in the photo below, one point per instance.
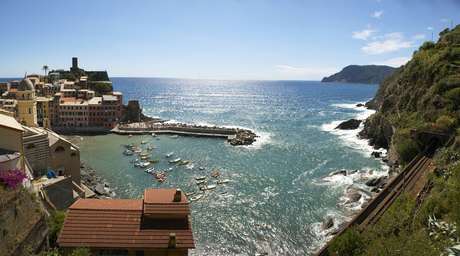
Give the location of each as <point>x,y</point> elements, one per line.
<point>235,136</point>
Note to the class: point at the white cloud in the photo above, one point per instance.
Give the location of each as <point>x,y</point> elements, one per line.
<point>430,28</point>
<point>377,14</point>
<point>418,37</point>
<point>444,20</point>
<point>393,42</point>
<point>363,34</point>
<point>308,71</point>
<point>396,62</point>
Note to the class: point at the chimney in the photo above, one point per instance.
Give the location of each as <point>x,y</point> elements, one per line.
<point>172,240</point>
<point>177,195</point>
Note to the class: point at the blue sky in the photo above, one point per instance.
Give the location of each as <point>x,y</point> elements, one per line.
<point>222,39</point>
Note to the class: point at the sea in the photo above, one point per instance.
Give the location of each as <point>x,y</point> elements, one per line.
<point>280,189</point>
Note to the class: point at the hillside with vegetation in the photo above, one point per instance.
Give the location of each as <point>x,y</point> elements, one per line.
<point>370,74</point>
<point>423,95</point>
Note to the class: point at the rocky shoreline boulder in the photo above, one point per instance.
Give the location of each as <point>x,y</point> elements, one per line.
<point>94,182</point>
<point>351,124</point>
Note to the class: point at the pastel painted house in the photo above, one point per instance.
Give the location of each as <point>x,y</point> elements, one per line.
<point>157,224</point>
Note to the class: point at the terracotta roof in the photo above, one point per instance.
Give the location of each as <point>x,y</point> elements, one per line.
<point>120,223</point>
<point>161,201</point>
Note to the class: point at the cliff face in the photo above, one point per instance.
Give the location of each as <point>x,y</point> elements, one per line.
<point>423,95</point>
<point>360,74</point>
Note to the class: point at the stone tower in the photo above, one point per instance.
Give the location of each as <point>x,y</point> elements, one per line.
<point>74,64</point>
<point>27,103</point>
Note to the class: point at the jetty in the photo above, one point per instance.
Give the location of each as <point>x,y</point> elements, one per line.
<point>235,136</point>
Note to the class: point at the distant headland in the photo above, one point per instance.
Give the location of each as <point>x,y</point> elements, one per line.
<point>370,74</point>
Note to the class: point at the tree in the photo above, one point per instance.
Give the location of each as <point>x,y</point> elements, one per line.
<point>45,68</point>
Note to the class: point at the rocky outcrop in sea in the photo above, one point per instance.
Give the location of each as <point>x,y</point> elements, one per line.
<point>243,137</point>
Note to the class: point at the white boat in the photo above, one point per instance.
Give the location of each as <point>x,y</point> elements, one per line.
<point>168,169</point>
<point>146,157</point>
<point>151,147</point>
<point>169,154</point>
<point>138,164</point>
<point>174,136</point>
<point>201,168</point>
<point>129,136</point>
<point>190,166</point>
<point>177,160</point>
<point>195,198</point>
<point>200,181</point>
<point>153,134</point>
<point>134,160</point>
<point>200,178</point>
<point>144,164</point>
<point>143,142</point>
<point>222,181</point>
<point>190,192</point>
<point>206,187</point>
<point>150,170</point>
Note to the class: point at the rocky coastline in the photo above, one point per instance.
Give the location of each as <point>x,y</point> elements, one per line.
<point>95,183</point>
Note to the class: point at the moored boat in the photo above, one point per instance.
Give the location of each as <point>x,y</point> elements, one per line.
<point>144,164</point>
<point>146,157</point>
<point>129,153</point>
<point>184,162</point>
<point>151,147</point>
<point>154,160</point>
<point>174,136</point>
<point>200,181</point>
<point>129,136</point>
<point>201,168</point>
<point>153,134</point>
<point>206,187</point>
<point>169,154</point>
<point>222,181</point>
<point>138,164</point>
<point>215,175</point>
<point>150,170</point>
<point>126,151</point>
<point>177,160</point>
<point>129,145</point>
<point>195,198</point>
<point>191,192</point>
<point>200,178</point>
<point>143,154</point>
<point>134,160</point>
<point>143,142</point>
<point>168,169</point>
<point>224,192</point>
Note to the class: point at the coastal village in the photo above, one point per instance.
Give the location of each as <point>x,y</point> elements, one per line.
<point>35,112</point>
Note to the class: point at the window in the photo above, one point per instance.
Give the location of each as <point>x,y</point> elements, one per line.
<point>59,149</point>
<point>31,145</point>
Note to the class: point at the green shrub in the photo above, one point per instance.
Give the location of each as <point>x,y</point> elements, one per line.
<point>55,222</point>
<point>407,150</point>
<point>349,243</point>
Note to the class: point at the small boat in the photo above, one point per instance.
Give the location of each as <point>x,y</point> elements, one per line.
<point>160,175</point>
<point>129,136</point>
<point>224,192</point>
<point>222,181</point>
<point>150,170</point>
<point>143,154</point>
<point>174,136</point>
<point>190,166</point>
<point>146,157</point>
<point>184,162</point>
<point>143,142</point>
<point>168,169</point>
<point>195,198</point>
<point>169,154</point>
<point>177,160</point>
<point>129,153</point>
<point>215,175</point>
<point>162,179</point>
<point>201,167</point>
<point>153,134</point>
<point>138,164</point>
<point>129,145</point>
<point>126,151</point>
<point>158,137</point>
<point>200,181</point>
<point>154,160</point>
<point>206,187</point>
<point>134,160</point>
<point>191,192</point>
<point>151,147</point>
<point>144,164</point>
<point>200,178</point>
<point>137,151</point>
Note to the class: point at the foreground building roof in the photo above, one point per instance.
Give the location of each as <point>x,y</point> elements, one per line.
<point>125,223</point>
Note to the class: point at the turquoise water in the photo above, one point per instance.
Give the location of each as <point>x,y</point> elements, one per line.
<point>278,193</point>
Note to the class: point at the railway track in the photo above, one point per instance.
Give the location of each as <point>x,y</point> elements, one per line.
<point>405,182</point>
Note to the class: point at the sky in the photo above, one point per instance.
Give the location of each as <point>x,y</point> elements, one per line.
<point>217,39</point>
